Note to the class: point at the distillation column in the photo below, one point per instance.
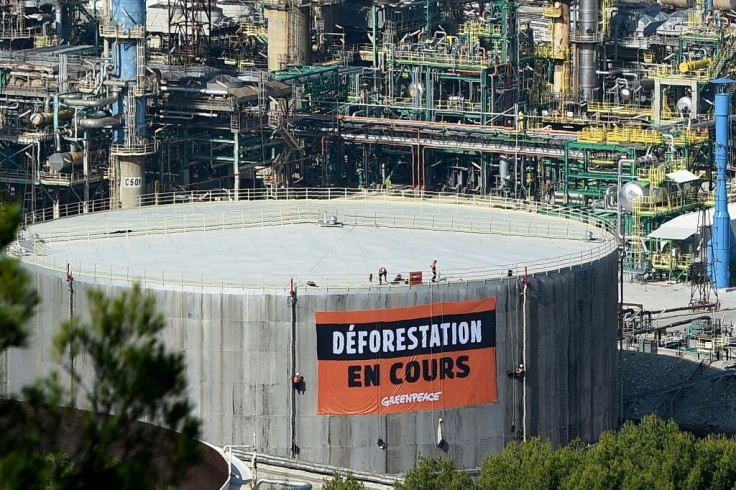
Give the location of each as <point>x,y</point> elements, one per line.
<point>127,29</point>
<point>561,48</point>
<point>288,34</point>
<point>588,37</point>
<point>720,275</point>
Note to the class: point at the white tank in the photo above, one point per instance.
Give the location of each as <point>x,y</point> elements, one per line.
<point>629,193</point>
<point>234,9</point>
<point>157,18</point>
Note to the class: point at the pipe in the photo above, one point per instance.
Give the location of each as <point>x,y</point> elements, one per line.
<point>100,122</point>
<point>721,239</point>
<point>523,361</point>
<point>670,137</point>
<point>41,118</point>
<point>695,65</point>
<point>621,162</point>
<point>91,102</point>
<point>318,469</point>
<point>190,90</point>
<point>432,125</point>
<point>184,113</point>
<point>293,390</point>
<point>299,485</point>
<point>610,73</point>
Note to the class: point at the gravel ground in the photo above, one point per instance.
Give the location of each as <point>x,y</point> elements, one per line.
<point>702,408</point>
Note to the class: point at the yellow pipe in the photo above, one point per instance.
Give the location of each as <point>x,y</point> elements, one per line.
<point>695,65</point>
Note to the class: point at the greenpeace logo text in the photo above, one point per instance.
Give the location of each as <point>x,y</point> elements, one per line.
<point>411,398</point>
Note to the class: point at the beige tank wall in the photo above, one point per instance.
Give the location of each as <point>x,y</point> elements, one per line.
<point>288,36</point>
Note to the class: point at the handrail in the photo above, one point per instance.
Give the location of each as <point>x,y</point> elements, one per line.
<point>304,206</point>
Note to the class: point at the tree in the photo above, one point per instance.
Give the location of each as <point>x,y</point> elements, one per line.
<point>17,298</point>
<point>129,376</point>
<point>339,483</point>
<point>436,474</point>
<point>651,454</point>
<point>533,464</point>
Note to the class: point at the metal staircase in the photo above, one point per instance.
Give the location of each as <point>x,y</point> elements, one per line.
<point>727,51</point>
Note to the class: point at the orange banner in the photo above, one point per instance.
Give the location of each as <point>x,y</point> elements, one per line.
<point>436,356</point>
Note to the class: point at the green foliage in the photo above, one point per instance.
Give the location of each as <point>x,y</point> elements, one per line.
<point>653,454</point>
<point>530,465</point>
<point>130,376</point>
<point>650,455</point>
<point>17,298</point>
<point>339,483</point>
<point>436,474</point>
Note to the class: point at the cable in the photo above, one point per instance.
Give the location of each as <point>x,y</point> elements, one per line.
<point>331,249</point>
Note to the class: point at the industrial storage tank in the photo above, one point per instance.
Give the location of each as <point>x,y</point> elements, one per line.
<point>516,335</point>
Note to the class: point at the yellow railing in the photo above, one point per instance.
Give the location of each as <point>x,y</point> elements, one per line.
<point>677,164</point>
<point>44,41</point>
<point>694,18</point>
<point>110,30</point>
<point>552,11</point>
<point>627,134</point>
<point>705,345</point>
<point>592,135</point>
<point>710,197</point>
<point>659,202</point>
<point>250,29</point>
<point>671,72</point>
<point>618,135</point>
<point>548,51</point>
<point>690,137</point>
<point>635,242</point>
<point>656,175</point>
<point>608,108</point>
<point>668,262</point>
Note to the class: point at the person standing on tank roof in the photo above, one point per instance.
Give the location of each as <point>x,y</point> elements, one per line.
<point>433,266</point>
<point>382,275</point>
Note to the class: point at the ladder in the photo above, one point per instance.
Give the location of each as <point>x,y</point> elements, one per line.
<point>637,256</point>
<point>727,51</point>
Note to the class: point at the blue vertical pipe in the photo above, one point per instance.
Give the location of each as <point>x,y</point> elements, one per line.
<point>721,219</point>
<point>127,15</point>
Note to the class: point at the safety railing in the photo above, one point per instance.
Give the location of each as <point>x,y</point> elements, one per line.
<point>306,206</point>
<point>126,150</point>
<point>624,109</point>
<point>552,11</point>
<point>430,56</point>
<point>329,193</point>
<point>624,134</point>
<point>111,30</point>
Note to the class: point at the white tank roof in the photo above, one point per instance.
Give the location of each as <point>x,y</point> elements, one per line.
<point>207,244</point>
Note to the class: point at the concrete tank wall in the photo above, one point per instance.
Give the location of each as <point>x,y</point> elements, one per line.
<point>288,36</point>
<point>238,349</point>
